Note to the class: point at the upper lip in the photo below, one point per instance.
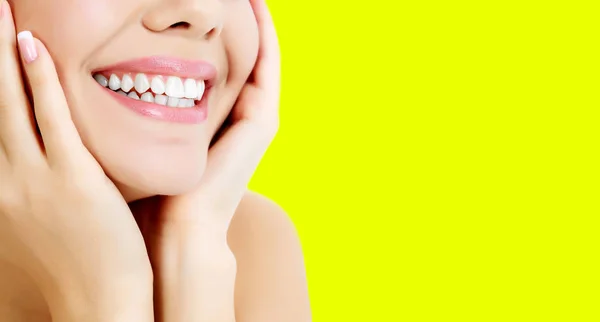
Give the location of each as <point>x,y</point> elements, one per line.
<point>166,66</point>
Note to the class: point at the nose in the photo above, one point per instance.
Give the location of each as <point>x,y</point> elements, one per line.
<point>198,19</point>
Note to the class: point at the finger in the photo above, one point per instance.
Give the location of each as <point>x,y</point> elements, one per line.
<point>3,160</point>
<point>233,159</point>
<point>60,137</point>
<point>266,72</point>
<point>232,162</point>
<point>18,133</point>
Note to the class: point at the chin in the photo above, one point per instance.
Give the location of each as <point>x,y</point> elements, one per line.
<point>159,176</point>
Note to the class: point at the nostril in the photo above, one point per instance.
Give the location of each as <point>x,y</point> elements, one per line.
<point>211,33</point>
<point>181,25</point>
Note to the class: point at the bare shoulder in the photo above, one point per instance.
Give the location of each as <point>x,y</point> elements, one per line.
<point>271,280</point>
<point>257,213</point>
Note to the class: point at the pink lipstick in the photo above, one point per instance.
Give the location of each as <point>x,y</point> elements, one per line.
<point>163,88</point>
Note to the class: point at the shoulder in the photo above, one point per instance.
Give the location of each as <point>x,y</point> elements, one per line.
<point>257,212</point>
<point>271,279</point>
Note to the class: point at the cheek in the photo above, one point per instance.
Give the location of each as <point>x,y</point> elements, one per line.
<point>240,40</point>
<point>240,37</point>
<point>71,29</point>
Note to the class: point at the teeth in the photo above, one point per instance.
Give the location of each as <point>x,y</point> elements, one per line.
<point>141,83</point>
<point>185,102</point>
<point>173,102</point>
<point>126,83</point>
<point>174,87</point>
<point>175,93</point>
<point>134,96</point>
<point>101,80</point>
<point>114,83</point>
<point>201,89</point>
<point>190,88</point>
<point>161,99</point>
<point>157,86</point>
<point>148,97</point>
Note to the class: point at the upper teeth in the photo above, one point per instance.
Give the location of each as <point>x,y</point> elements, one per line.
<point>174,87</point>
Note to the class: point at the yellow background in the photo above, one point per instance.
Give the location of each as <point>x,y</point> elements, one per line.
<point>440,158</point>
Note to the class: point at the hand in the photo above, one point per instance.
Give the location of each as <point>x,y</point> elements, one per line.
<point>193,264</point>
<point>61,219</point>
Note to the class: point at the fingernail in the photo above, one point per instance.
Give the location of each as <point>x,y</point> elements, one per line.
<point>27,46</point>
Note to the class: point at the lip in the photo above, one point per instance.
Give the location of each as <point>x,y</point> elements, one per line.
<point>189,115</point>
<point>166,66</point>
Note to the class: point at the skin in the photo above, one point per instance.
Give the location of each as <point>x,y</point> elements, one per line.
<point>266,274</point>
<point>86,35</point>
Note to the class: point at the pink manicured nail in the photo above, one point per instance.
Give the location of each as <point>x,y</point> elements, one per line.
<point>27,46</point>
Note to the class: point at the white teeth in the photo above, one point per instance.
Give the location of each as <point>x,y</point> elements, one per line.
<point>173,102</point>
<point>141,83</point>
<point>201,89</point>
<point>114,83</point>
<point>134,96</point>
<point>174,87</point>
<point>175,93</point>
<point>101,80</point>
<point>148,97</point>
<point>185,102</point>
<point>126,83</point>
<point>161,99</point>
<point>157,86</point>
<point>190,88</point>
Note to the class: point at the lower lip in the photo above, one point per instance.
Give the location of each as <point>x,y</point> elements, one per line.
<point>188,115</point>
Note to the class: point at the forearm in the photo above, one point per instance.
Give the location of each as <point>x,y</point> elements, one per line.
<point>127,301</point>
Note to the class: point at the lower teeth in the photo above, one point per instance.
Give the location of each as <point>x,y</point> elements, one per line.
<point>160,99</point>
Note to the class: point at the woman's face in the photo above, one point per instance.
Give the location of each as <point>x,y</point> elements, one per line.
<point>152,153</point>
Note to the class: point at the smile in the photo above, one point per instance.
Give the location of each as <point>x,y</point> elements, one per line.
<point>159,87</point>
<point>172,91</point>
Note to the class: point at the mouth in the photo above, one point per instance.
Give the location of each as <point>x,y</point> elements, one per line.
<point>162,88</point>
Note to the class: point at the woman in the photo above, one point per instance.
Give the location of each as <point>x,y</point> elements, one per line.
<point>127,98</point>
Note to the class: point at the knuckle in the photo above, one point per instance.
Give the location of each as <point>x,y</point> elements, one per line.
<point>35,190</point>
<point>76,184</point>
<point>14,199</point>
<point>11,201</point>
